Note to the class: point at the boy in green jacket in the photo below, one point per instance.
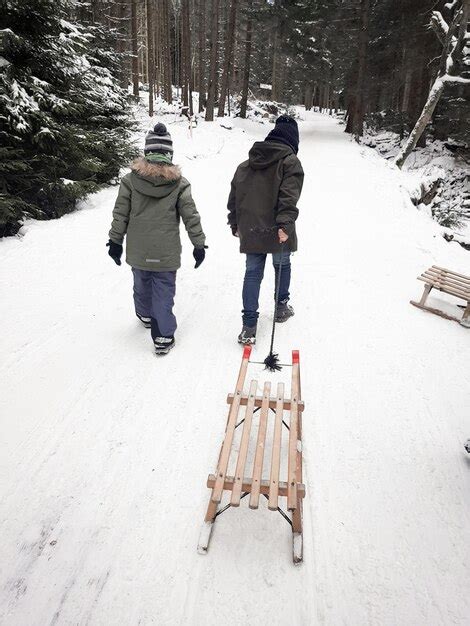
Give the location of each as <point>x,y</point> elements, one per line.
<point>152,198</point>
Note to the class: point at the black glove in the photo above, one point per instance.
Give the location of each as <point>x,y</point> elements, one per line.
<point>234,228</point>
<point>199,255</point>
<point>115,251</point>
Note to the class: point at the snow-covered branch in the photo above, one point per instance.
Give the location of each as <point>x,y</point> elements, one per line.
<point>439,25</point>
<point>449,78</point>
<point>453,38</point>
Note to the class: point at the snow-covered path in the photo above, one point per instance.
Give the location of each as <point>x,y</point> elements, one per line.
<point>105,449</point>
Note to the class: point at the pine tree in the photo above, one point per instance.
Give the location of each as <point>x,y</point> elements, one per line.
<point>64,118</point>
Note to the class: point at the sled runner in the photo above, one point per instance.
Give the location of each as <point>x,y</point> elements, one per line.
<point>448,282</point>
<point>286,415</point>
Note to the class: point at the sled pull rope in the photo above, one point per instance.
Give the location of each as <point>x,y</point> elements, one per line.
<point>272,360</point>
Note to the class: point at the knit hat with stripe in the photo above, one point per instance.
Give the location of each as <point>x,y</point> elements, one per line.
<point>158,145</point>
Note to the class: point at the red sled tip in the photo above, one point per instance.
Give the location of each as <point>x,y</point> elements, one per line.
<point>246,352</point>
<point>295,357</point>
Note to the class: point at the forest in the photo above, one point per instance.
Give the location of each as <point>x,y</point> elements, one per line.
<point>70,71</point>
<point>235,312</point>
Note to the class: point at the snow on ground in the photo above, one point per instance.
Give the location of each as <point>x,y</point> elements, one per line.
<point>105,449</point>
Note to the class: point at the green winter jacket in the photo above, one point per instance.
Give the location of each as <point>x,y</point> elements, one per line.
<point>152,198</point>
<point>264,195</point>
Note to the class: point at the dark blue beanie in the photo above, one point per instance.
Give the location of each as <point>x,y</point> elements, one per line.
<point>286,131</point>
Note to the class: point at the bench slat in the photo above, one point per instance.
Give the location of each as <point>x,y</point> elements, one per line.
<point>443,269</point>
<point>260,444</point>
<point>245,441</point>
<point>444,278</point>
<point>274,485</point>
<point>230,429</point>
<point>454,291</point>
<point>293,438</point>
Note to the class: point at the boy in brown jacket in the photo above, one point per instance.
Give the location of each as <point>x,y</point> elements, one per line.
<point>262,213</point>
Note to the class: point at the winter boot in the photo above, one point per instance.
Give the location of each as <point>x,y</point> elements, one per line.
<point>284,311</point>
<point>163,345</point>
<point>248,335</point>
<point>146,321</point>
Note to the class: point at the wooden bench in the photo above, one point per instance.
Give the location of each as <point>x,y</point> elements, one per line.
<point>448,282</point>
<point>240,484</point>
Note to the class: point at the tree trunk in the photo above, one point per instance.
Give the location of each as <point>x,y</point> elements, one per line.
<point>150,54</point>
<point>423,121</point>
<point>122,43</point>
<point>186,47</point>
<point>135,49</point>
<point>451,54</point>
<point>168,90</point>
<point>360,101</point>
<point>201,54</point>
<point>247,61</point>
<point>214,40</point>
<point>228,58</point>
<point>405,101</point>
<point>308,96</point>
<point>274,77</point>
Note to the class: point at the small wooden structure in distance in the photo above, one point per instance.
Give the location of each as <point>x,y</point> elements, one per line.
<point>448,282</point>
<point>241,485</point>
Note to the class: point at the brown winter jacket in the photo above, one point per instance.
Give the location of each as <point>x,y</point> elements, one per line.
<point>263,198</point>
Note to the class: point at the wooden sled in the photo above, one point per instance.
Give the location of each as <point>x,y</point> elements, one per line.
<point>253,486</point>
<point>448,282</point>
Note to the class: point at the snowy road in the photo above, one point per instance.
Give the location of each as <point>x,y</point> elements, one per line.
<point>105,449</point>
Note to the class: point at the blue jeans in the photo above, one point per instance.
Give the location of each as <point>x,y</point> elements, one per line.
<point>254,273</point>
<point>154,294</point>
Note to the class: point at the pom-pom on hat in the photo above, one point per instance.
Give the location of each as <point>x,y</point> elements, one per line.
<point>158,145</point>
<point>285,131</point>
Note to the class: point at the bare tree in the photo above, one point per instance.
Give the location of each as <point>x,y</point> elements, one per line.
<point>214,48</point>
<point>201,53</point>
<point>247,60</point>
<point>187,73</point>
<point>360,99</point>
<point>229,44</point>
<point>135,49</point>
<point>166,42</point>
<point>150,53</point>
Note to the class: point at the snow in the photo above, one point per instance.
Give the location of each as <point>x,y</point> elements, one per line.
<point>105,449</point>
<point>432,166</point>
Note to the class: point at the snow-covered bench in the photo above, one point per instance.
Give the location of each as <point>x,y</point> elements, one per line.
<point>449,282</point>
<point>244,483</point>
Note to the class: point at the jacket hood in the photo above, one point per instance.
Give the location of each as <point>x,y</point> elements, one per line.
<point>155,179</point>
<point>265,153</point>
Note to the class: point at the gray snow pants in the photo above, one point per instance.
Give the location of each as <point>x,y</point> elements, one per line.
<point>154,294</point>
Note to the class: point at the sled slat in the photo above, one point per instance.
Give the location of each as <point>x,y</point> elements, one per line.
<point>293,444</point>
<point>274,485</point>
<point>297,514</point>
<point>245,440</point>
<point>230,429</point>
<point>260,444</point>
<point>248,483</point>
<point>259,402</point>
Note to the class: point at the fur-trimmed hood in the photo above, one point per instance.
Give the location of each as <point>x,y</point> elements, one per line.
<point>156,170</point>
<point>155,179</point>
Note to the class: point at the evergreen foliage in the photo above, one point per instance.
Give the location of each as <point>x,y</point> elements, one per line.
<point>64,120</point>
